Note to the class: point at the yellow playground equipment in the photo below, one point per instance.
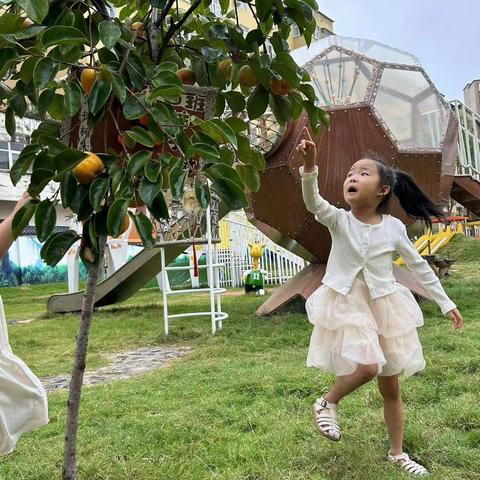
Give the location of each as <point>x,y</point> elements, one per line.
<point>430,242</point>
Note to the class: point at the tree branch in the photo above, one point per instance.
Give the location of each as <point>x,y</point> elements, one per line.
<point>174,27</point>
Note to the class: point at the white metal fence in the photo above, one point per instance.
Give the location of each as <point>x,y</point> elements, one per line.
<point>279,263</point>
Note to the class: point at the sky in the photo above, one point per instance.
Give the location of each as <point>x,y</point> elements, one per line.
<point>443,34</point>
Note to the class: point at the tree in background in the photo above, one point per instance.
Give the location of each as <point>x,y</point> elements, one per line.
<point>88,72</point>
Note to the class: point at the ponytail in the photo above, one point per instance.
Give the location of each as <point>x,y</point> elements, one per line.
<point>414,200</point>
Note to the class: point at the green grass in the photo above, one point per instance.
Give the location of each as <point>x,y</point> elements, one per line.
<point>239,407</point>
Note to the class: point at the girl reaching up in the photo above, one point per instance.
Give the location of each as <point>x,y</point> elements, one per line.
<point>365,323</point>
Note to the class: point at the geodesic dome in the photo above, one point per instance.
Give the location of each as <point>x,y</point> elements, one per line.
<point>379,99</point>
<point>356,72</point>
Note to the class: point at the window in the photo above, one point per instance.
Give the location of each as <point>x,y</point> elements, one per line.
<point>295,31</point>
<point>215,8</point>
<point>9,152</point>
<point>269,48</point>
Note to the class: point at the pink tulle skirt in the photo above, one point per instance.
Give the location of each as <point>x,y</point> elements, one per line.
<point>355,329</point>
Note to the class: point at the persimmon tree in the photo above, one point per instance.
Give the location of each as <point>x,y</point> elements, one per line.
<point>79,64</point>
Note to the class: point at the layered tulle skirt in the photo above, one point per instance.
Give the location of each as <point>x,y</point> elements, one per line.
<point>23,401</point>
<point>355,329</point>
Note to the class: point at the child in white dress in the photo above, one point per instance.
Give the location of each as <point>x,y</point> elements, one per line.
<point>23,401</point>
<point>365,323</point>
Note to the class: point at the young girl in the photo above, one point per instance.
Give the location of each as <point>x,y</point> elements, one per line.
<point>23,401</point>
<point>365,323</point>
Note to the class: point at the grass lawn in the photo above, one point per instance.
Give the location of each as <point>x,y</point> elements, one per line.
<point>239,406</point>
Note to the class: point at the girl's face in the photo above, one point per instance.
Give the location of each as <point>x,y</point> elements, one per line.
<point>362,186</point>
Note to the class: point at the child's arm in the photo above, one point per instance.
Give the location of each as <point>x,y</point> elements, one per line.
<point>6,236</point>
<point>324,212</point>
<point>424,274</point>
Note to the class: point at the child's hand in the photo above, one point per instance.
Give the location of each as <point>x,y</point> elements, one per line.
<point>456,318</point>
<point>309,151</point>
<point>25,198</point>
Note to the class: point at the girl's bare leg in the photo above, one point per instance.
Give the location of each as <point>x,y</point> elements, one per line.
<point>393,411</point>
<point>346,384</point>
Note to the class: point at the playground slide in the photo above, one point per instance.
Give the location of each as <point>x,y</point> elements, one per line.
<point>437,241</point>
<point>420,244</point>
<point>122,284</point>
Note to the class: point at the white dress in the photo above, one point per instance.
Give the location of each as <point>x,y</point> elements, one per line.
<point>23,401</point>
<point>355,329</point>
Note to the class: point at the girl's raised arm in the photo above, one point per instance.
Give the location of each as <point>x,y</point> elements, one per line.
<point>324,212</point>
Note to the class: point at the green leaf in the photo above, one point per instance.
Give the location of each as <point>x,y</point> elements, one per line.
<point>144,228</point>
<point>220,170</point>
<point>110,33</point>
<point>10,123</point>
<point>308,90</point>
<point>44,72</point>
<point>62,35</point>
<point>257,102</point>
<point>68,159</point>
<point>257,160</point>
<point>73,98</point>
<point>54,146</point>
<point>23,162</point>
<point>99,95</point>
<point>281,107</point>
<point>45,219</point>
<point>167,90</point>
<point>250,176</point>
<point>39,180</point>
<point>116,216</point>
<point>244,149</point>
<point>7,54</point>
<point>148,191</point>
<point>44,101</point>
<point>264,9</point>
<point>141,136</point>
<point>177,181</point>
<point>56,107</point>
<point>152,171</point>
<point>220,128</point>
<point>235,100</point>
<point>98,190</point>
<point>26,70</point>
<point>23,217</point>
<point>159,208</point>
<point>57,246</point>
<point>137,162</point>
<point>203,150</point>
<point>133,109</point>
<point>230,193</point>
<point>36,9</point>
<point>236,124</point>
<point>118,85</point>
<point>202,192</point>
<point>68,189</point>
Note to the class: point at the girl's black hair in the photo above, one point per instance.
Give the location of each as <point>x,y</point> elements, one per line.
<point>412,198</point>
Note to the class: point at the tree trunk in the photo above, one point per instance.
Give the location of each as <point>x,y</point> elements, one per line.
<point>73,405</point>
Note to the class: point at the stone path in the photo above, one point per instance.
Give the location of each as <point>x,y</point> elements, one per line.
<point>123,365</point>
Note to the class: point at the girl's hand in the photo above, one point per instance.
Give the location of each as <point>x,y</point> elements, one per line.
<point>25,198</point>
<point>308,150</point>
<point>456,318</point>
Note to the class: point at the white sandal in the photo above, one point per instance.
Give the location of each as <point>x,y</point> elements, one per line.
<point>405,462</point>
<point>325,415</point>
